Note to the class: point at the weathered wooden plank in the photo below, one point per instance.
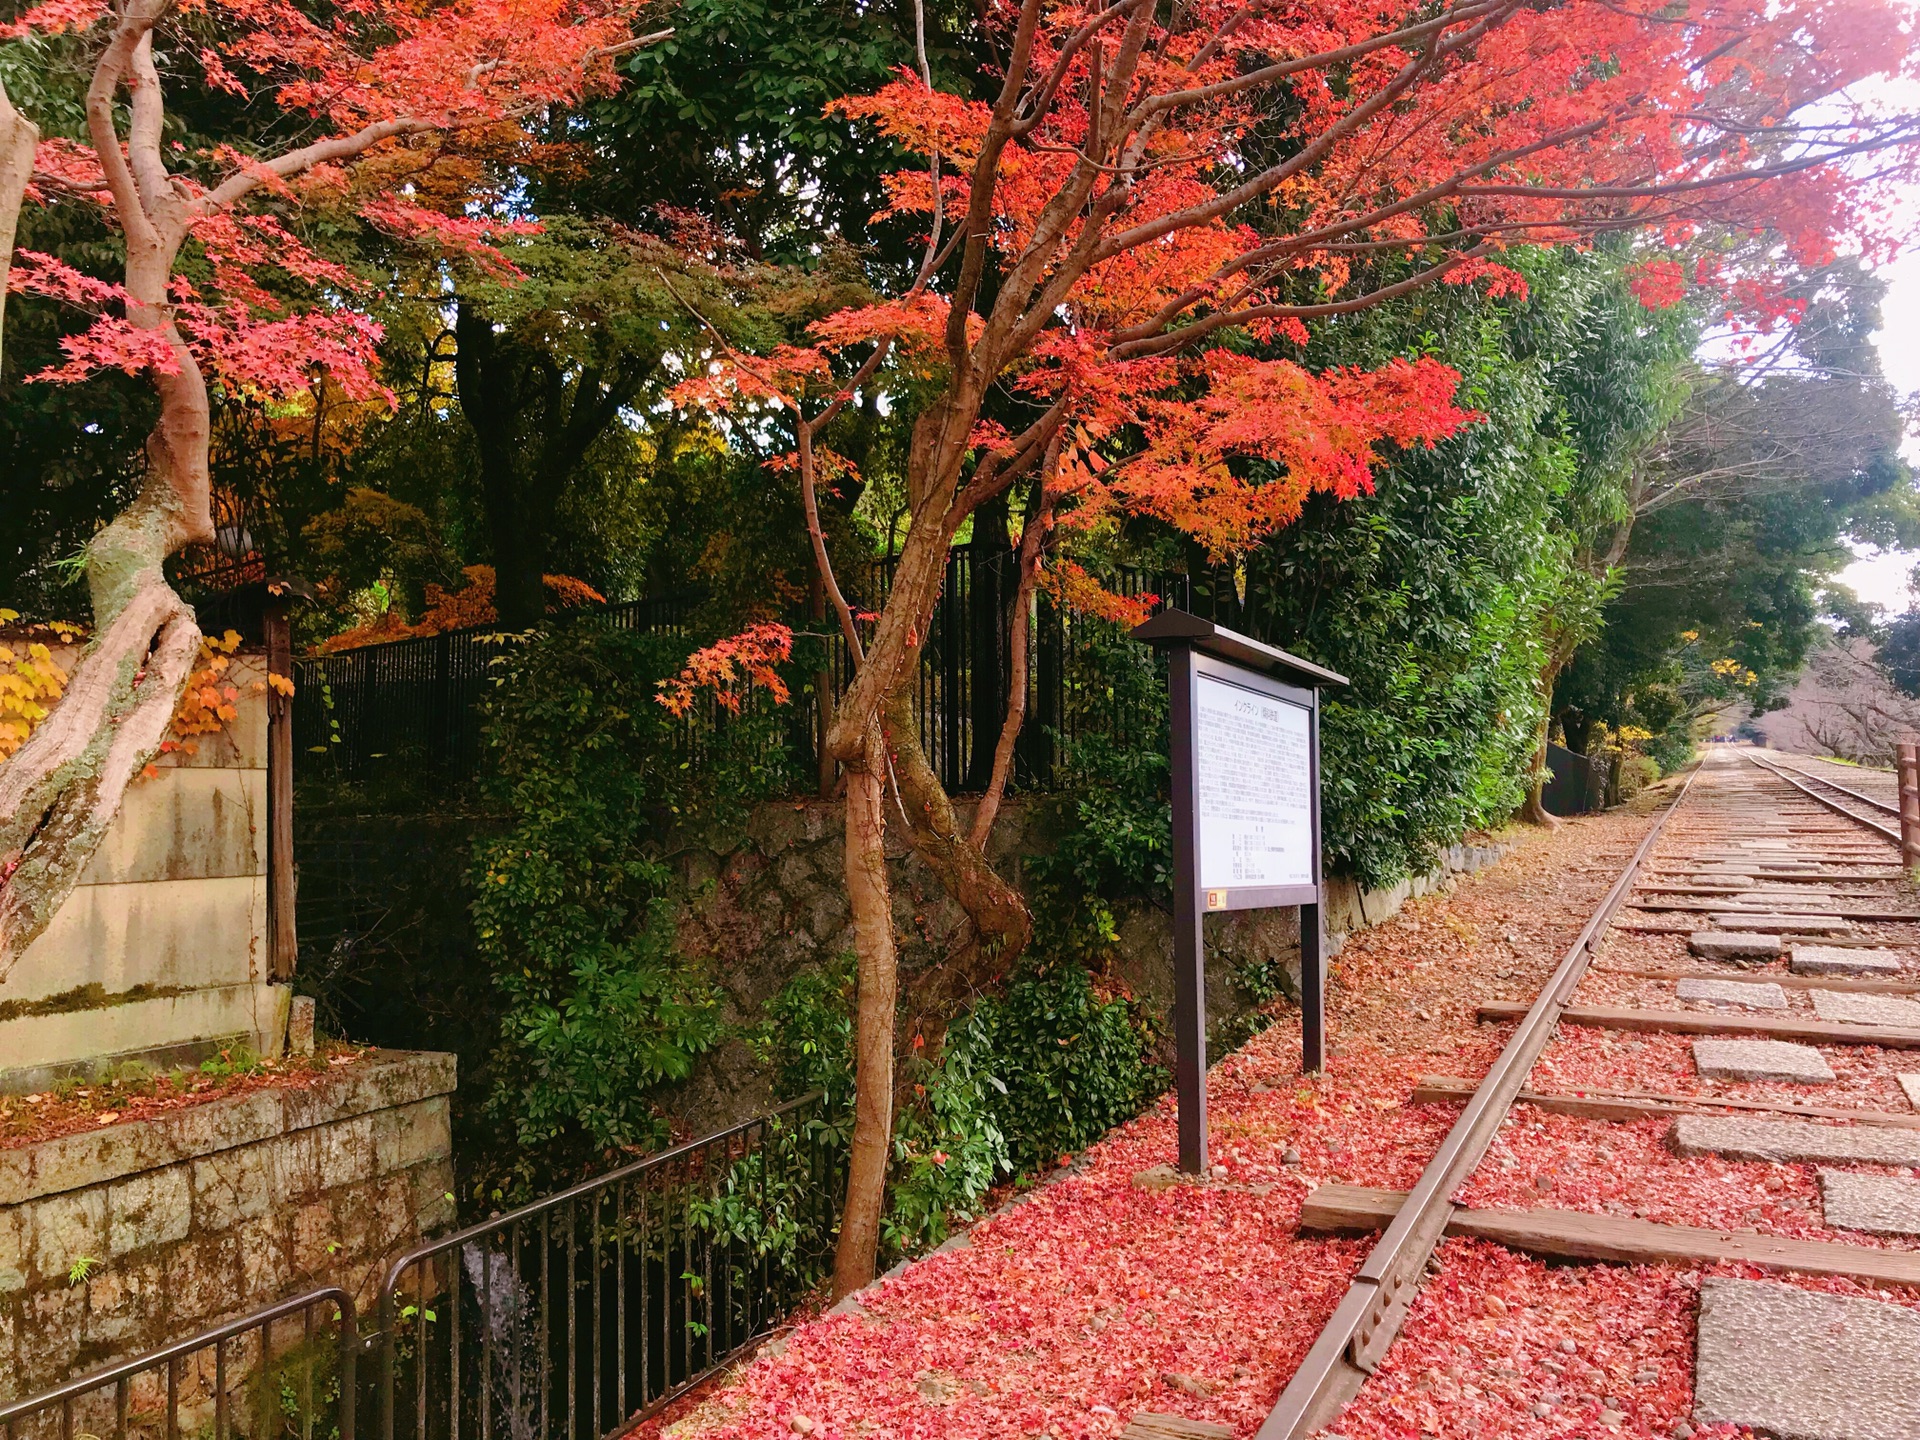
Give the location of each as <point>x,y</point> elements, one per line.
<point>1639,1104</point>
<point>1689,1022</point>
<point>1731,892</point>
<point>1783,978</point>
<point>1574,1235</point>
<point>1805,876</point>
<point>1349,1209</point>
<point>1150,1426</point>
<point>1709,907</point>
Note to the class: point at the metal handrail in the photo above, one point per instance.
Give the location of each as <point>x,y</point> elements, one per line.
<point>599,1304</point>
<point>121,1372</point>
<point>585,1189</point>
<point>697,1174</point>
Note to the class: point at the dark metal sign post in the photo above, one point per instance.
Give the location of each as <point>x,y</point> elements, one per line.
<point>1246,824</point>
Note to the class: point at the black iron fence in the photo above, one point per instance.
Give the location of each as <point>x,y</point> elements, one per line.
<point>1576,784</point>
<point>288,1371</point>
<point>418,702</point>
<point>573,1318</point>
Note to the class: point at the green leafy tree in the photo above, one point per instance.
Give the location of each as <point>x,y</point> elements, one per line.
<point>1737,520</point>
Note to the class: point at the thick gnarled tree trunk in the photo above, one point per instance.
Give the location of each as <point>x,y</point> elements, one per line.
<point>60,792</point>
<point>999,921</point>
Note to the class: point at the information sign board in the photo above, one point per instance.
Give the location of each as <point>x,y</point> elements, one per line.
<point>1245,772</point>
<point>1253,758</point>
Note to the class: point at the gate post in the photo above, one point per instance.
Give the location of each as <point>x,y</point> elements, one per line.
<point>283,945</point>
<point>1909,804</point>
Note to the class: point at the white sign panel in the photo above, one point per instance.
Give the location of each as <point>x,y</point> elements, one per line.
<point>1252,760</point>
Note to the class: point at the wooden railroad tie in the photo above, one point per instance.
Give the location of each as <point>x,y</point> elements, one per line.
<point>1786,979</point>
<point>1640,1104</point>
<point>1148,1425</point>
<point>1797,877</point>
<point>1688,1022</point>
<point>1691,927</point>
<point>1708,907</point>
<point>1574,1235</point>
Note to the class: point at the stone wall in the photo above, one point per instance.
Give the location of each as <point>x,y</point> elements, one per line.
<point>214,1210</point>
<point>1349,908</point>
<point>763,904</point>
<point>160,953</point>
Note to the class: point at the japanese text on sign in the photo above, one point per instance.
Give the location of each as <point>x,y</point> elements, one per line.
<point>1252,760</point>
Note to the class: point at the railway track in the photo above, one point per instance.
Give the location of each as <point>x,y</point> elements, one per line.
<point>1846,800</point>
<point>1763,925</point>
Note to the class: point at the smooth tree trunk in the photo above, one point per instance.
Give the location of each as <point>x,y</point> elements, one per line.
<point>876,1001</point>
<point>1533,810</point>
<point>857,741</point>
<point>1032,539</point>
<point>19,138</point>
<point>61,791</point>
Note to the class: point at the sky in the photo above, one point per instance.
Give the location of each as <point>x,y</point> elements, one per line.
<point>1882,579</point>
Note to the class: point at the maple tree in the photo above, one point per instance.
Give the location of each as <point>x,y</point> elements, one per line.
<point>1125,244</point>
<point>403,116</point>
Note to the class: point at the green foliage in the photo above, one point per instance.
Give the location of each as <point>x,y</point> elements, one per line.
<point>570,902</point>
<point>807,1036</point>
<point>1899,654</point>
<point>728,118</point>
<point>1430,593</point>
<point>234,1060</point>
<point>1043,1069</point>
<point>1743,509</point>
<point>1074,1062</point>
<point>1114,831</point>
<point>769,1207</point>
<point>948,1144</point>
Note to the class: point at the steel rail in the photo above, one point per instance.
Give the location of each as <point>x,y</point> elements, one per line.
<point>1787,773</point>
<point>1364,1324</point>
<point>1823,780</point>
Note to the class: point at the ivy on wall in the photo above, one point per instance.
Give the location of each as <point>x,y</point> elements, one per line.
<point>571,899</point>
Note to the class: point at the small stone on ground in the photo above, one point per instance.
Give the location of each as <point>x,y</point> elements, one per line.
<point>1794,1141</point>
<point>1805,1366</point>
<point>1844,960</point>
<point>1760,1060</point>
<point>1157,1177</point>
<point>1733,992</point>
<point>1733,945</point>
<point>1851,1009</point>
<point>1877,1204</point>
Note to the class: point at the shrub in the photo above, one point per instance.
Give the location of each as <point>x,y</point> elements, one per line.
<point>1046,1068</point>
